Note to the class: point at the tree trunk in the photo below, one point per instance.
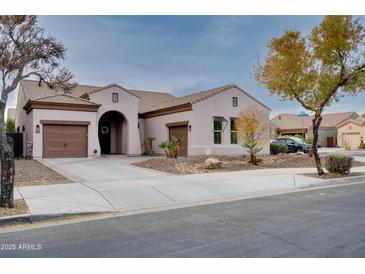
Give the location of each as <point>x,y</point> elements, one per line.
<point>7,165</point>
<point>316,122</point>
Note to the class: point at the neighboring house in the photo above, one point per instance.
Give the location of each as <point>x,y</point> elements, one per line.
<point>10,113</point>
<point>290,124</point>
<point>351,132</point>
<point>90,120</point>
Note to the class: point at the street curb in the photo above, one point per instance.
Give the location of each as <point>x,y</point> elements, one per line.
<point>29,219</point>
<point>336,181</point>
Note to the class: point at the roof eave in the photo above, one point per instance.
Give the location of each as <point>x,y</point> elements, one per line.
<point>30,105</point>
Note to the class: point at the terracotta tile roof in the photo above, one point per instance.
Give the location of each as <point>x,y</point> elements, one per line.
<point>149,100</point>
<point>62,98</point>
<point>32,89</point>
<point>328,119</point>
<point>199,96</point>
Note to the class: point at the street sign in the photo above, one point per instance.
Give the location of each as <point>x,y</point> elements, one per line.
<point>302,114</point>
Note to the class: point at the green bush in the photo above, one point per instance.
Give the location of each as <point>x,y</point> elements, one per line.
<point>283,149</point>
<point>278,148</point>
<point>339,163</point>
<point>309,140</point>
<point>10,125</point>
<point>274,148</point>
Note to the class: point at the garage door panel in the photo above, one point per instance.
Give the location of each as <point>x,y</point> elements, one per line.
<point>353,139</point>
<point>64,141</point>
<point>182,132</point>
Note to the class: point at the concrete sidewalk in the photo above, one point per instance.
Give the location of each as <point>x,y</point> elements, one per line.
<point>155,190</point>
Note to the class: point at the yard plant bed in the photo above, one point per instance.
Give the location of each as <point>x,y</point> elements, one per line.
<point>33,173</point>
<point>195,164</point>
<point>20,207</point>
<point>333,175</point>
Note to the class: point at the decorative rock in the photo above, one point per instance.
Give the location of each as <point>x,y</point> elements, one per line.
<point>212,163</point>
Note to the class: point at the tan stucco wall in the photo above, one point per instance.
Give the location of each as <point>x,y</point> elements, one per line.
<point>351,128</point>
<point>202,141</point>
<point>156,126</point>
<point>282,122</point>
<point>127,105</point>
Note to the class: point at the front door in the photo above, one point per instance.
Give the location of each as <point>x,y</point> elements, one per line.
<point>330,141</point>
<point>104,137</point>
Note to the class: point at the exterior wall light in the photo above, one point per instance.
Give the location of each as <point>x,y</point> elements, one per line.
<point>37,129</point>
<point>189,127</point>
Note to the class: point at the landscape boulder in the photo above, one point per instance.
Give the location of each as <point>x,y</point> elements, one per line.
<point>212,163</point>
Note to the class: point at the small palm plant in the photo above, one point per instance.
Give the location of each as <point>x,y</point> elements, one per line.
<point>171,148</point>
<point>253,149</point>
<point>148,144</point>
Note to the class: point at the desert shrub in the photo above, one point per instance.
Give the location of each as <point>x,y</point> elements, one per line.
<point>283,149</point>
<point>362,144</point>
<point>338,163</point>
<point>278,148</point>
<point>274,148</point>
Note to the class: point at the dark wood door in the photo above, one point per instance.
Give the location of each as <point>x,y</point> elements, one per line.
<point>330,141</point>
<point>63,141</point>
<point>182,132</point>
<point>104,137</point>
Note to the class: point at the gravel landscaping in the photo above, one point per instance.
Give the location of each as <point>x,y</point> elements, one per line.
<point>20,207</point>
<point>195,164</point>
<point>33,173</point>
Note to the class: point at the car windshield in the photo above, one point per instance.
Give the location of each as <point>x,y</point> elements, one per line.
<point>298,140</point>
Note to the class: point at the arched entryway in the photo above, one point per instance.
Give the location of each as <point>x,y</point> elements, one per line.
<point>113,133</point>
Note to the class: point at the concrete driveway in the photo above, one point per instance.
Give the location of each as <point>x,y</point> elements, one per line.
<point>111,183</point>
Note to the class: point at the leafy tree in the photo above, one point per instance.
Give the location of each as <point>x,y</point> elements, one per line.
<point>25,51</point>
<point>316,70</point>
<point>10,125</point>
<point>253,130</point>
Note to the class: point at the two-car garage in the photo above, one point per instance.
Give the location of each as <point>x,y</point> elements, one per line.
<point>63,139</point>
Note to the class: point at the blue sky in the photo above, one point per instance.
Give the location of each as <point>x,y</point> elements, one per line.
<point>177,54</point>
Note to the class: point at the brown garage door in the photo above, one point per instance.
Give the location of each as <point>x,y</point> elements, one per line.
<point>64,141</point>
<point>182,132</point>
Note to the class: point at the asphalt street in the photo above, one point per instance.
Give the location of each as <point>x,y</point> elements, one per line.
<point>317,223</point>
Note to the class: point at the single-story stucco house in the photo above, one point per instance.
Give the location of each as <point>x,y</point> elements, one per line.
<point>90,121</point>
<point>351,132</point>
<point>291,124</point>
